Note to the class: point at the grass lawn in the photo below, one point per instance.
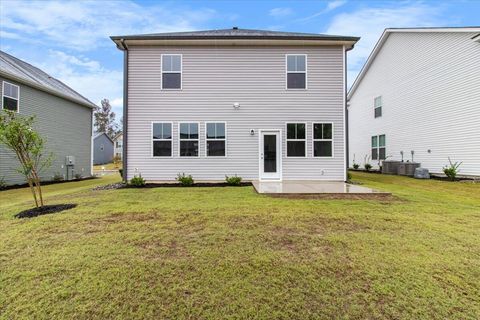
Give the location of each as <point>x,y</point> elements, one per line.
<point>107,166</point>
<point>216,253</point>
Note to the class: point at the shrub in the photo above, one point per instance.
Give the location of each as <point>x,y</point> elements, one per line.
<point>349,176</point>
<point>451,170</point>
<point>117,160</point>
<point>57,177</point>
<point>3,184</point>
<point>233,181</point>
<point>121,172</point>
<point>137,181</point>
<point>368,166</point>
<point>78,176</point>
<point>184,180</point>
<point>356,166</point>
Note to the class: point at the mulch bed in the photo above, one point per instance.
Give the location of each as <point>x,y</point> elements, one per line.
<point>46,183</point>
<point>200,184</point>
<point>35,212</point>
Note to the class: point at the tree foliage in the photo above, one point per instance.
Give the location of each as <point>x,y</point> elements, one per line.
<point>17,134</point>
<point>104,119</point>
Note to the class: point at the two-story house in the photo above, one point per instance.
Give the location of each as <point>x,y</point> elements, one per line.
<point>263,105</point>
<point>63,118</point>
<point>418,98</point>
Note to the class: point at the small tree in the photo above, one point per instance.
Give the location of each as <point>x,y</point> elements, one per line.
<point>105,119</point>
<point>17,133</point>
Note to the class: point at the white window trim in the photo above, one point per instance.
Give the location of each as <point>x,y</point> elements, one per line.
<point>152,139</point>
<point>180,140</point>
<point>375,107</point>
<point>286,139</point>
<point>4,95</point>
<point>162,72</point>
<point>210,139</point>
<point>287,72</point>
<point>313,140</point>
<point>378,146</point>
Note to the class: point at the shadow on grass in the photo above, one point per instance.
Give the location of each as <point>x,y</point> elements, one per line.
<point>35,212</point>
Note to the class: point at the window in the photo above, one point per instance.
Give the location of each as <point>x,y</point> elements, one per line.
<point>216,139</point>
<point>323,140</point>
<point>296,141</point>
<point>119,144</point>
<point>102,147</point>
<point>171,71</point>
<point>10,96</point>
<point>188,139</point>
<point>378,147</point>
<point>296,71</point>
<point>378,106</point>
<point>162,139</point>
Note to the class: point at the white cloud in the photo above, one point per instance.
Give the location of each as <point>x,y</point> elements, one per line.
<point>332,5</point>
<point>83,25</point>
<point>280,12</point>
<point>369,24</point>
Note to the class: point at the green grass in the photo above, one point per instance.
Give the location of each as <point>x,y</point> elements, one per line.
<point>107,166</point>
<point>229,253</point>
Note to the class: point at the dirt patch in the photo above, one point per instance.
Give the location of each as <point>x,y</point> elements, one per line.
<point>111,186</point>
<point>35,212</point>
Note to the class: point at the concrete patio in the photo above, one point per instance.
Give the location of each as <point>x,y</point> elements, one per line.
<point>311,188</point>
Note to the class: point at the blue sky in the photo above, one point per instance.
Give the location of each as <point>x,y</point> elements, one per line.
<point>70,39</point>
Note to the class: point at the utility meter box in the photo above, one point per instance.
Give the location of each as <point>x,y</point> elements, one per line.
<point>70,160</point>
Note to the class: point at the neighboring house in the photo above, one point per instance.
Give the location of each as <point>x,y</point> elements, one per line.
<point>63,118</point>
<point>118,145</point>
<point>102,149</point>
<point>259,104</point>
<point>419,92</point>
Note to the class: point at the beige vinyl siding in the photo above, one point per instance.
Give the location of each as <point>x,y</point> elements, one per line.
<point>66,127</point>
<point>430,88</point>
<point>214,78</point>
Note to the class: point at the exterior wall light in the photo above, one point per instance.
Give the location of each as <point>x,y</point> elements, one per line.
<point>236,105</point>
<point>252,132</point>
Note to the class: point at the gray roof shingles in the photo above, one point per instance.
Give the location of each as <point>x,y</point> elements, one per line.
<point>236,33</point>
<point>23,70</point>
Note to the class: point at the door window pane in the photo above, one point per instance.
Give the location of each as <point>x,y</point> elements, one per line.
<point>269,153</point>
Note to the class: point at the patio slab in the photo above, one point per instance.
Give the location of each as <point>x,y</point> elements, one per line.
<point>302,188</point>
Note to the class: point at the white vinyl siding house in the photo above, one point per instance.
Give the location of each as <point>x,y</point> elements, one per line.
<point>232,112</point>
<point>427,84</point>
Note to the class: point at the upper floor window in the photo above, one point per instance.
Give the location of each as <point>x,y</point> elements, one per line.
<point>216,139</point>
<point>162,139</point>
<point>323,140</point>
<point>188,139</point>
<point>296,71</point>
<point>378,147</point>
<point>296,140</point>
<point>378,106</point>
<point>10,96</point>
<point>171,71</point>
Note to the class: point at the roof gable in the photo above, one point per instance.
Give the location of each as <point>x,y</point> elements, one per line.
<point>26,73</point>
<point>383,39</point>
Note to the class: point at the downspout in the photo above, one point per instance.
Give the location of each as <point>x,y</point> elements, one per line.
<point>347,140</point>
<point>124,48</point>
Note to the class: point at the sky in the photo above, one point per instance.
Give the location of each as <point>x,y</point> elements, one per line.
<point>70,39</point>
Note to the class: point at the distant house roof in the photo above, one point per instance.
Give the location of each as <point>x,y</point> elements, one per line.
<point>24,72</point>
<point>118,135</point>
<point>384,38</point>
<point>99,134</point>
<point>234,34</point>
